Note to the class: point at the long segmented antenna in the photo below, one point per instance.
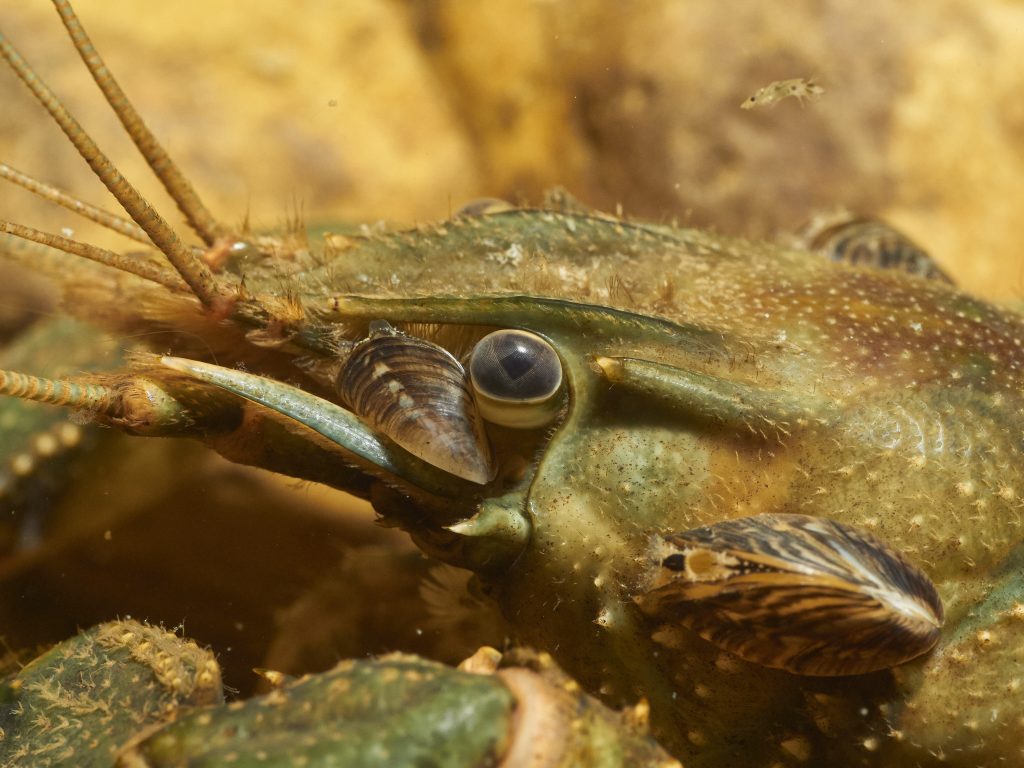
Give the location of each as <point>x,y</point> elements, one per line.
<point>90,397</point>
<point>55,195</point>
<point>192,270</point>
<point>142,269</point>
<point>174,181</point>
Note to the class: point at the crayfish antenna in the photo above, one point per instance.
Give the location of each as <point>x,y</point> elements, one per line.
<point>56,195</point>
<point>174,181</point>
<point>134,402</point>
<point>195,273</point>
<point>65,392</point>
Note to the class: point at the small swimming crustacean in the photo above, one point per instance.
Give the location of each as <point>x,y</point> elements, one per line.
<point>767,493</point>
<point>797,88</point>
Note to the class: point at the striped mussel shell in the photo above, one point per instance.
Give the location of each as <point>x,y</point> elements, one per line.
<point>417,394</point>
<point>869,242</point>
<point>804,594</point>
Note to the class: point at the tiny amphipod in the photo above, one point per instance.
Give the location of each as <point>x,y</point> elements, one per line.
<point>798,88</point>
<point>417,394</point>
<point>799,593</point>
<point>517,377</point>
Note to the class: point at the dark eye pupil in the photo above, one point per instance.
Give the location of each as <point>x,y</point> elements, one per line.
<point>517,361</point>
<point>515,365</point>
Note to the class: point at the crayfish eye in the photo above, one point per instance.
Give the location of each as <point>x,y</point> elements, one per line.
<point>517,377</point>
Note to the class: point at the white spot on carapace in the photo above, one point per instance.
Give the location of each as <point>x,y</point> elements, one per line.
<point>510,257</point>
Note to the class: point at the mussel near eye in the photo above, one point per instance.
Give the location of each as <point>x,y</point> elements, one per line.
<point>517,377</point>
<point>417,394</point>
<point>803,594</point>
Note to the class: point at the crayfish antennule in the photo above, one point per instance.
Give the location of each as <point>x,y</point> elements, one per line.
<point>191,269</point>
<point>165,169</point>
<point>136,267</point>
<point>56,195</point>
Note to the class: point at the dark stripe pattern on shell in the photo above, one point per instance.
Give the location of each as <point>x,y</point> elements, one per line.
<point>804,594</point>
<point>417,394</point>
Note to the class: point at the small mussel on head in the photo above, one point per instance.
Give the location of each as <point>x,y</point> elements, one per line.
<point>417,394</point>
<point>804,594</point>
<point>868,242</point>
